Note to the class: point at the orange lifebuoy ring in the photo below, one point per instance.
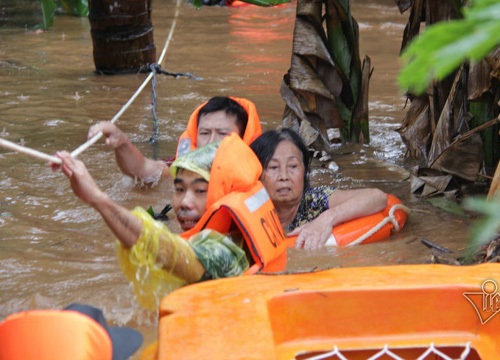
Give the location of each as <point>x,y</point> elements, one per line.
<point>371,228</point>
<point>236,3</point>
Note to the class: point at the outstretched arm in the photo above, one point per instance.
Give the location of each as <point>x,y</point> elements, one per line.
<point>344,205</point>
<point>124,225</point>
<point>173,253</point>
<point>129,159</point>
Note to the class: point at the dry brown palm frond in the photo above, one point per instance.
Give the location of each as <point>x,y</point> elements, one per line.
<point>415,129</point>
<point>324,83</point>
<point>463,159</point>
<point>452,119</point>
<point>479,79</point>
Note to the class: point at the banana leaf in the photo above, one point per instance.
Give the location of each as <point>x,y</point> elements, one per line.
<point>452,118</point>
<point>48,11</point>
<point>71,7</point>
<point>415,129</point>
<point>75,7</point>
<point>323,86</point>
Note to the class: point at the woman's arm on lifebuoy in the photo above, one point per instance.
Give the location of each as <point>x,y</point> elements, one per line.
<point>344,205</point>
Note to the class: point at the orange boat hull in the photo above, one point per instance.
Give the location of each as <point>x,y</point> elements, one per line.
<point>358,311</point>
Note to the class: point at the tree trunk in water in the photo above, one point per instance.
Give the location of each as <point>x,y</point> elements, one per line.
<point>122,35</point>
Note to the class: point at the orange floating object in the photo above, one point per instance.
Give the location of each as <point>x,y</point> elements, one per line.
<point>236,3</point>
<point>53,335</point>
<point>405,310</point>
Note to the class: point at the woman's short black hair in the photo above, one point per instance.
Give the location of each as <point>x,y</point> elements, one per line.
<point>265,146</point>
<point>230,107</point>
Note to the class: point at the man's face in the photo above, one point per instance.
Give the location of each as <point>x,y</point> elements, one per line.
<point>190,198</point>
<point>214,127</point>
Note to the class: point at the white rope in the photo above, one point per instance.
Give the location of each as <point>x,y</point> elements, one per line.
<point>42,156</point>
<point>390,218</point>
<point>97,136</point>
<point>336,352</point>
<point>31,152</point>
<point>386,352</point>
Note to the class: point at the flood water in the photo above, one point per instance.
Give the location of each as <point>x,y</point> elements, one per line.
<point>55,250</point>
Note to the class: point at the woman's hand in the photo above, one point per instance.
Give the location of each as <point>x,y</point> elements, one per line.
<point>314,234</point>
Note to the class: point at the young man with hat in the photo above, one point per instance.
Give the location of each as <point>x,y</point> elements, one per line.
<point>217,193</point>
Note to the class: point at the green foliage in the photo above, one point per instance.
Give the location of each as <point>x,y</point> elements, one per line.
<point>447,205</point>
<point>485,230</point>
<point>435,54</point>
<point>442,47</point>
<point>75,7</point>
<point>71,7</point>
<point>48,11</point>
<point>150,211</point>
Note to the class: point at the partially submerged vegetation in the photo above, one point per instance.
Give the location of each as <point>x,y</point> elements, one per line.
<point>465,53</point>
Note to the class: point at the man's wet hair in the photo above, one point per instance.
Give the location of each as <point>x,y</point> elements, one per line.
<point>230,107</point>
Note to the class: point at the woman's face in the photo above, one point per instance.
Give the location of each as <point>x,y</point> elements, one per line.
<point>283,177</point>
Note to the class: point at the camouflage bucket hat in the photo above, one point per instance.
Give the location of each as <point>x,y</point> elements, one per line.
<point>198,161</point>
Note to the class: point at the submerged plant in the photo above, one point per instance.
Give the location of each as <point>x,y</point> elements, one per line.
<point>71,7</point>
<point>437,53</point>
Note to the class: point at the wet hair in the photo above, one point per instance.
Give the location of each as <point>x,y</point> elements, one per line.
<point>265,147</point>
<point>230,107</point>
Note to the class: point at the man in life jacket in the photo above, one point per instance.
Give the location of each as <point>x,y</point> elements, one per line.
<point>228,219</point>
<point>211,121</point>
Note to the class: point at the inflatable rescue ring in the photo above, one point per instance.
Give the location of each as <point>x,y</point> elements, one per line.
<point>371,228</point>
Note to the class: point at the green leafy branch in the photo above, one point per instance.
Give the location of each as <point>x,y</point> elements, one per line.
<point>442,47</point>
<point>486,229</point>
<point>71,7</point>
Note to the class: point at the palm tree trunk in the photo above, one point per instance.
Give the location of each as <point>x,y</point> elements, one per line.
<point>122,35</point>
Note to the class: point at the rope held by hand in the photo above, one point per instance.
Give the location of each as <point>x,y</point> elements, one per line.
<point>31,152</point>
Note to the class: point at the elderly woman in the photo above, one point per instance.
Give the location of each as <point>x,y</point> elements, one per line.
<point>306,212</point>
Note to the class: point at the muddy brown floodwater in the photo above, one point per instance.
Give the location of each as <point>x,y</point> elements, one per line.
<point>55,250</point>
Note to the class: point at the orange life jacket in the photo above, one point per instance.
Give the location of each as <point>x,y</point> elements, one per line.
<point>235,195</point>
<point>187,141</point>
